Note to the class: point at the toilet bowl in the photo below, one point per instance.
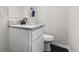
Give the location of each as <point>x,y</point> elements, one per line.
<point>47,41</point>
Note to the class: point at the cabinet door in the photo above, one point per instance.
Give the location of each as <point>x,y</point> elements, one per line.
<point>38,44</point>
<point>18,40</point>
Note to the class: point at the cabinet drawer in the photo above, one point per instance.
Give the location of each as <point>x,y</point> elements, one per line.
<point>37,33</point>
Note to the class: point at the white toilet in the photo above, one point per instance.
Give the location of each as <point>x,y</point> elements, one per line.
<point>47,40</point>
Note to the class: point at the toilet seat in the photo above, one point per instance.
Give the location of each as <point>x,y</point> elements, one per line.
<point>48,37</point>
<point>47,40</point>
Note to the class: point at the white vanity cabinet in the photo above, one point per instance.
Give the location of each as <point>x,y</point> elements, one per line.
<point>23,39</point>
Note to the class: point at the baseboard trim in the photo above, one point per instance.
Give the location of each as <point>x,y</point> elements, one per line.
<point>61,45</point>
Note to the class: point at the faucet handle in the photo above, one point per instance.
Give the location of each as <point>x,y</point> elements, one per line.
<point>25,19</point>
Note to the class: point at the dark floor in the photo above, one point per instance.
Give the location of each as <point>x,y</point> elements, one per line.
<point>55,48</point>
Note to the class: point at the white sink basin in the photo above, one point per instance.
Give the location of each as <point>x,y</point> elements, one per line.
<point>28,26</point>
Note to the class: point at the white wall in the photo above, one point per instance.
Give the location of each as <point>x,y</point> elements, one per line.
<point>55,19</point>
<point>15,11</point>
<point>19,12</point>
<point>73,28</point>
<point>3,29</point>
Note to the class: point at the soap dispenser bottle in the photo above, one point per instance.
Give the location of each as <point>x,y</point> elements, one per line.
<point>33,12</point>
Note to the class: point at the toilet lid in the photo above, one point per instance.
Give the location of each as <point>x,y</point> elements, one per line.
<point>48,40</point>
<point>47,36</point>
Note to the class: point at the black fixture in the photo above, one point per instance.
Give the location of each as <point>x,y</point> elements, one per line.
<point>23,21</point>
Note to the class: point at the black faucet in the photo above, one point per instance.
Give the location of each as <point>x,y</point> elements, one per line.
<point>22,22</point>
